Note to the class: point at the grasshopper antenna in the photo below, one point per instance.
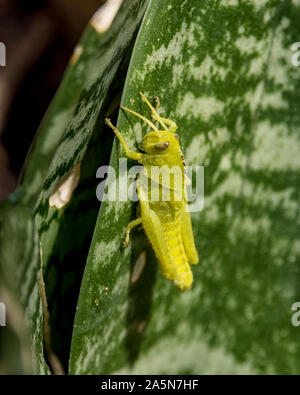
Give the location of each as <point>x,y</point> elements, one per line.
<point>153,111</point>
<point>141,117</point>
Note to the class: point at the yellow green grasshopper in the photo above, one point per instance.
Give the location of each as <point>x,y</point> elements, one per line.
<point>167,223</point>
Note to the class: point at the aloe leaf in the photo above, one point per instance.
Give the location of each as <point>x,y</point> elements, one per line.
<point>19,279</point>
<point>223,73</point>
<point>64,152</point>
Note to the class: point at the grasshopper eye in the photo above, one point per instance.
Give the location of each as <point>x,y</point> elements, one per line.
<point>162,145</point>
<point>163,207</point>
<point>176,136</point>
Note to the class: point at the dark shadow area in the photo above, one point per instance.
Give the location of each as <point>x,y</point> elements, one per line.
<point>76,227</point>
<point>31,103</point>
<point>140,295</point>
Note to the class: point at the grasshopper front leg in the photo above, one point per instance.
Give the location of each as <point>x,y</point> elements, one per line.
<point>129,152</point>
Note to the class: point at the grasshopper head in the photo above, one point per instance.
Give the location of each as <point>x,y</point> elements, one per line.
<point>161,143</point>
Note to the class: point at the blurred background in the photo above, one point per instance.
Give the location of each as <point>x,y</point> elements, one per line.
<point>39,36</point>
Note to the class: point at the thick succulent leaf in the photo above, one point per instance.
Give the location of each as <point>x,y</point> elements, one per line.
<point>19,290</point>
<point>223,72</point>
<point>66,156</point>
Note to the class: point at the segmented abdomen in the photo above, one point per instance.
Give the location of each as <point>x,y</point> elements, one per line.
<point>181,273</point>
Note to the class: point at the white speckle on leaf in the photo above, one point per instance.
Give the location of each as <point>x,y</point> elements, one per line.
<point>89,351</point>
<point>202,107</point>
<point>250,45</point>
<point>104,251</point>
<point>204,71</point>
<point>164,54</point>
<point>208,67</point>
<point>275,148</point>
<point>260,3</point>
<point>274,100</point>
<point>104,16</point>
<point>76,54</point>
<point>64,190</point>
<point>138,132</point>
<point>197,150</point>
<point>248,225</point>
<point>256,65</point>
<point>202,359</point>
<point>235,185</point>
<point>225,163</point>
<point>280,54</point>
<point>231,3</point>
<point>115,209</point>
<point>254,97</point>
<point>178,74</point>
<point>135,136</point>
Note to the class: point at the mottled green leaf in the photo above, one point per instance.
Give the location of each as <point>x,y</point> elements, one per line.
<point>66,150</point>
<point>223,72</point>
<point>19,290</point>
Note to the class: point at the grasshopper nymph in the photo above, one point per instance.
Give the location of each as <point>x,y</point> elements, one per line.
<point>167,223</point>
